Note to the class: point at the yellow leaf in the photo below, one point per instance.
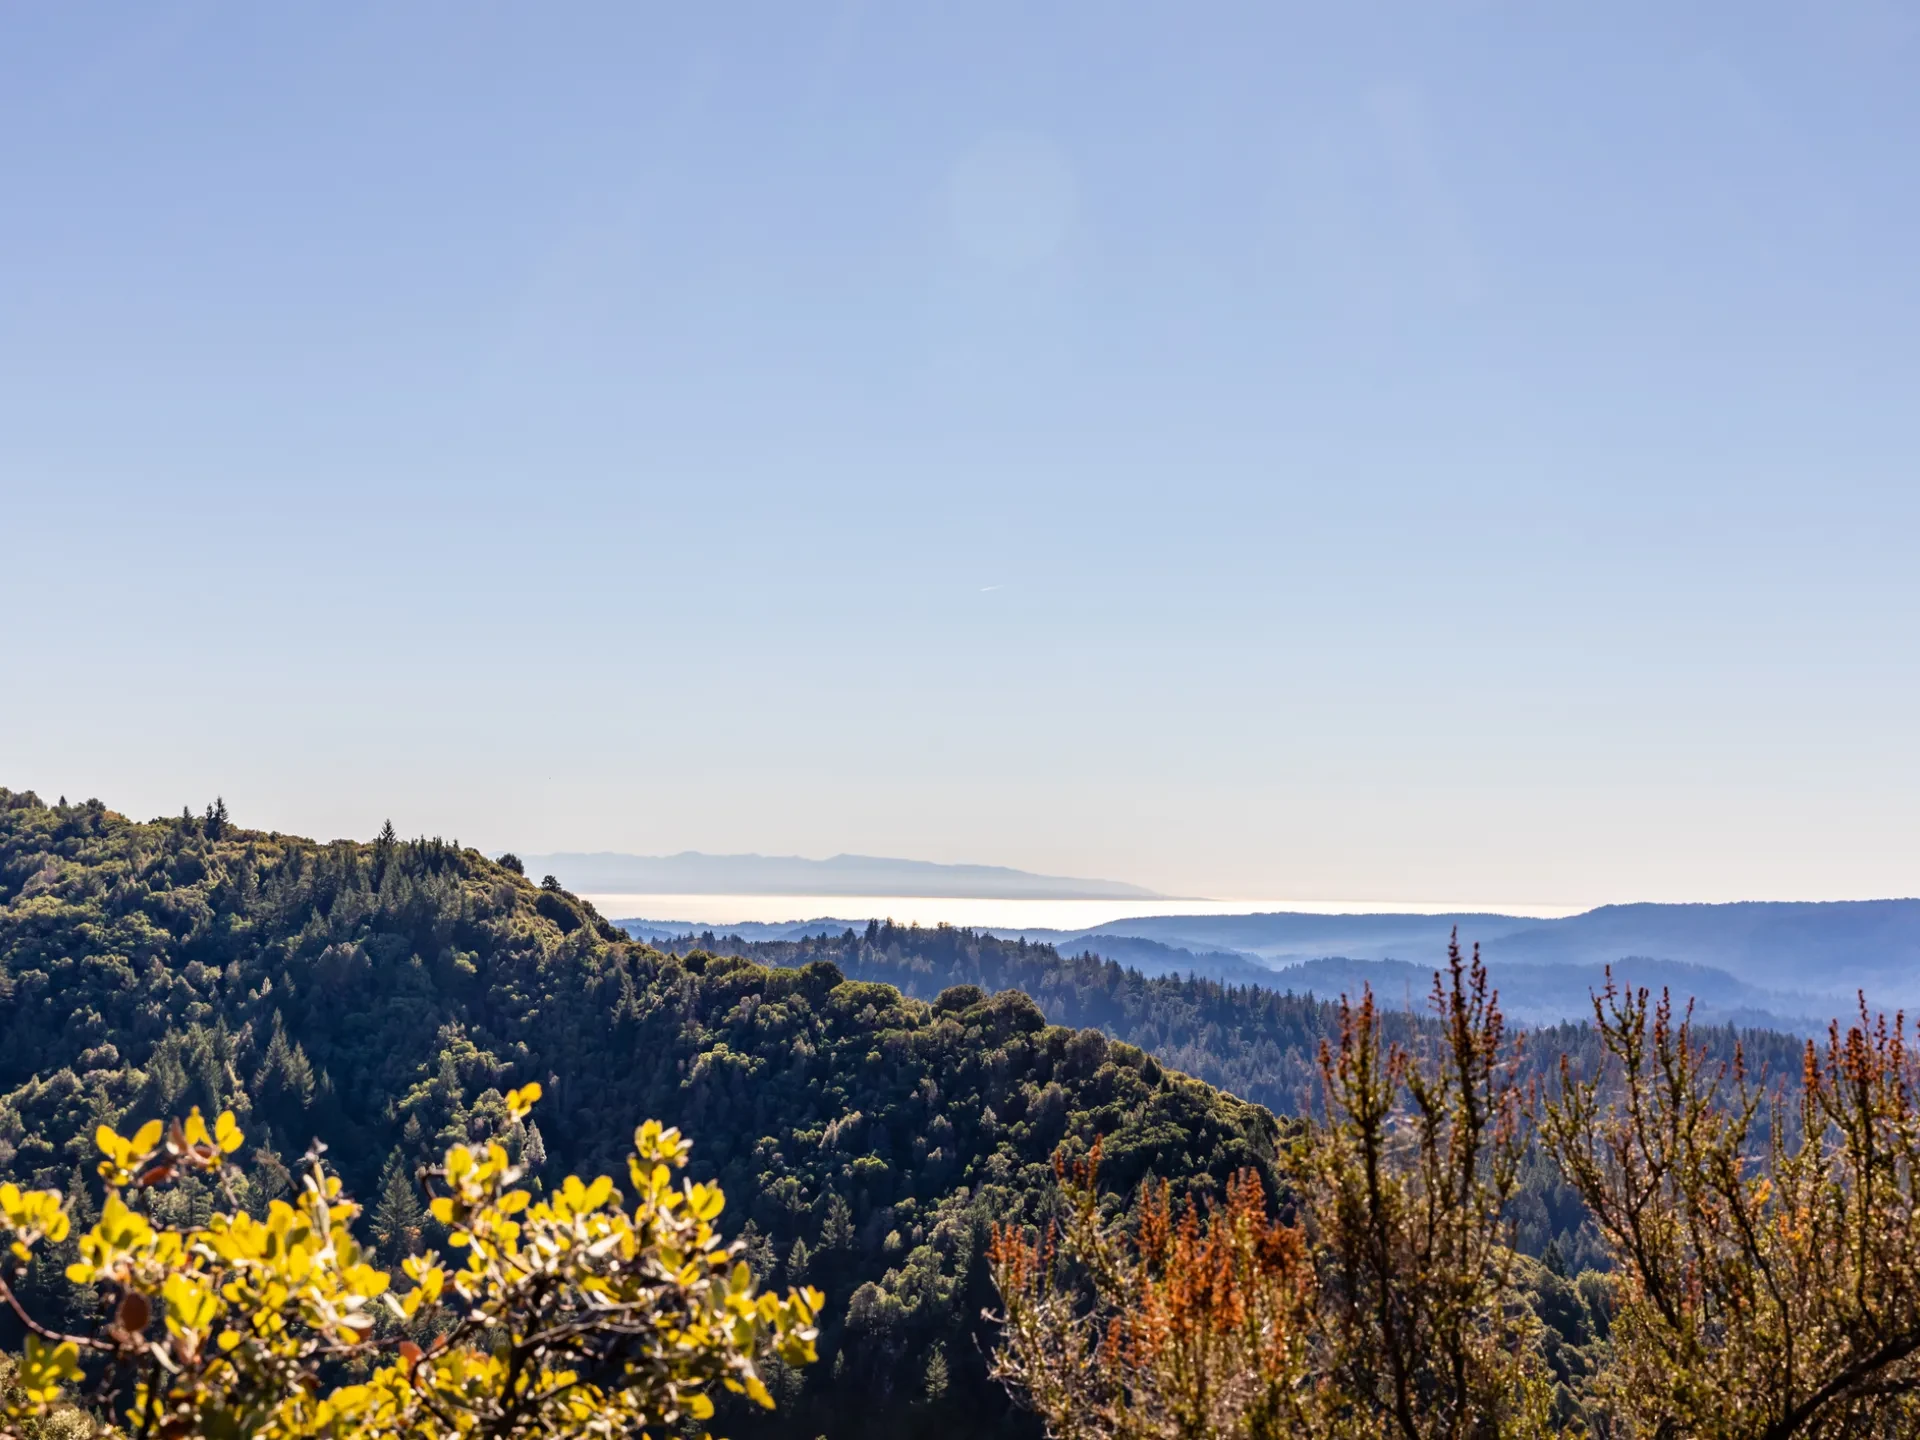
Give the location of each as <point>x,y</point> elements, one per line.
<point>188,1306</point>
<point>147,1136</point>
<point>44,1366</point>
<point>520,1101</point>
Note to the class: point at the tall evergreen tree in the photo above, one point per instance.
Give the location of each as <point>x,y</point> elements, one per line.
<point>283,1090</point>
<point>285,1073</point>
<point>398,1217</point>
<point>836,1231</point>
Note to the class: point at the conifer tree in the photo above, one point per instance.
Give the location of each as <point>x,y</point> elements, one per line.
<point>399,1218</point>
<point>269,1177</point>
<point>384,845</point>
<point>836,1231</point>
<point>285,1076</point>
<point>936,1373</point>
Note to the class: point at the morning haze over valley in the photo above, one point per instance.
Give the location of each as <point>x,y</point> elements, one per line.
<point>1785,963</point>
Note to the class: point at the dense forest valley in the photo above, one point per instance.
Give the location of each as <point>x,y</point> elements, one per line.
<point>1259,1042</point>
<point>873,1102</point>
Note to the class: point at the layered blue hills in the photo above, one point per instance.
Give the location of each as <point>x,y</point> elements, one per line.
<point>1791,964</point>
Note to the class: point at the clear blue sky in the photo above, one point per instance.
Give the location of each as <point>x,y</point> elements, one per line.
<point>1399,452</point>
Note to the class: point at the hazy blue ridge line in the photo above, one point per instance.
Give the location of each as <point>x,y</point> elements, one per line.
<point>694,873</point>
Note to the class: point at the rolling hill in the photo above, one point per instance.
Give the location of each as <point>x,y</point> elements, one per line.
<point>383,996</point>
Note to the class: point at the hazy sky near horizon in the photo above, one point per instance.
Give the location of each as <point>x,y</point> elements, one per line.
<point>1399,452</point>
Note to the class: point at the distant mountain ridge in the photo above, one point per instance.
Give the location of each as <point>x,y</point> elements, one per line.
<point>1828,947</point>
<point>1782,963</point>
<point>692,873</point>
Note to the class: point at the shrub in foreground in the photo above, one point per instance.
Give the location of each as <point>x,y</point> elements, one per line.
<point>583,1311</point>
<point>1764,1254</point>
<point>1384,1307</point>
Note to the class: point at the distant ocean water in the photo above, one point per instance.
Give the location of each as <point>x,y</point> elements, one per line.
<point>700,912</point>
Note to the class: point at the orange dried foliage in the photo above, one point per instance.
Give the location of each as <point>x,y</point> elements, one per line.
<point>1385,1309</point>
<point>1198,1322</point>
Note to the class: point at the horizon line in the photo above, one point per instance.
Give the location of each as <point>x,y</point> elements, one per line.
<point>1027,912</point>
<point>1071,912</point>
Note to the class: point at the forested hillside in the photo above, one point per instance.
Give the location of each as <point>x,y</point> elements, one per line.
<point>1257,1041</point>
<point>1253,1041</point>
<point>384,996</point>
